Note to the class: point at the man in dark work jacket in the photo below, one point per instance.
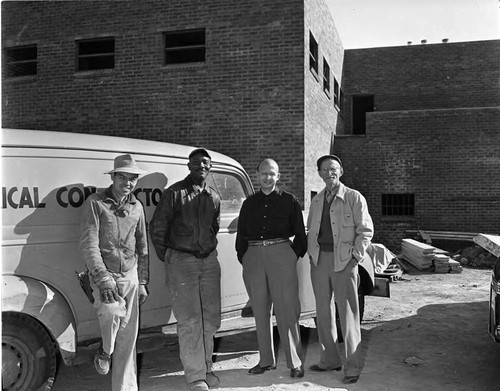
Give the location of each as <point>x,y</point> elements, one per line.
<point>267,220</point>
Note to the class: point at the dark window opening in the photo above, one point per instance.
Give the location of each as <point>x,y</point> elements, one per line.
<point>398,204</point>
<point>21,61</point>
<point>335,92</point>
<point>341,100</point>
<point>95,54</point>
<point>313,54</point>
<point>326,77</point>
<point>361,105</point>
<point>184,46</point>
<point>313,194</point>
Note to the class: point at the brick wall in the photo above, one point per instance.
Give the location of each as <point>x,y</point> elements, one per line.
<point>420,77</point>
<point>450,160</point>
<point>320,114</point>
<point>246,100</point>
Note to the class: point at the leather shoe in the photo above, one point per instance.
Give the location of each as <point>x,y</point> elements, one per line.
<point>297,372</point>
<point>317,368</point>
<point>350,379</point>
<point>258,370</point>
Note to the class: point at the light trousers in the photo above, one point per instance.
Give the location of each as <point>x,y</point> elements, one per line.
<point>119,323</point>
<point>337,289</point>
<point>270,276</point>
<point>194,284</point>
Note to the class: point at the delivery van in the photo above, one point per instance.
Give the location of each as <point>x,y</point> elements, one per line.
<point>46,177</point>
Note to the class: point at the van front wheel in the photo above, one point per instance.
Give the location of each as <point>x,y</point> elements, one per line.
<point>28,354</point>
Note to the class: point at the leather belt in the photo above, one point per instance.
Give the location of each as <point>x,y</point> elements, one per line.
<point>267,242</point>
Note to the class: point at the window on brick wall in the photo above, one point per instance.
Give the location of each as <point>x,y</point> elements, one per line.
<point>94,54</point>
<point>335,92</point>
<point>21,61</point>
<point>341,100</point>
<point>361,104</point>
<point>326,77</point>
<point>184,46</point>
<point>398,204</point>
<point>313,54</point>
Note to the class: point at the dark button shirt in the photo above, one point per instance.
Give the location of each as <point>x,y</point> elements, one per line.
<point>273,216</point>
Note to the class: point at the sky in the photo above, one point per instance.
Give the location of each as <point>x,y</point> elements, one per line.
<point>380,23</point>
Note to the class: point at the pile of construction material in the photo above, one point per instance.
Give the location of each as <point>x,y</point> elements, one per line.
<point>424,256</point>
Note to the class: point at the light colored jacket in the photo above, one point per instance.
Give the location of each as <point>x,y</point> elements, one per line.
<point>114,239</point>
<point>352,226</point>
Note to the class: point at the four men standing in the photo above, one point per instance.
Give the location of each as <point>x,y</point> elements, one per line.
<point>183,231</point>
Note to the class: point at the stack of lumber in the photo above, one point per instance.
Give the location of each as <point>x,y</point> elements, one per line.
<point>441,263</point>
<point>455,266</point>
<point>418,254</point>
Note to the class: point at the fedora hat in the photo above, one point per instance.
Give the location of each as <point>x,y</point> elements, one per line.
<point>126,163</point>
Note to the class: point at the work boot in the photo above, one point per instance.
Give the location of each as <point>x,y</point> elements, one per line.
<point>102,362</point>
<point>198,385</point>
<point>212,380</point>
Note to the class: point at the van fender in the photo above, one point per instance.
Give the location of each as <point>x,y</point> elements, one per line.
<point>44,303</point>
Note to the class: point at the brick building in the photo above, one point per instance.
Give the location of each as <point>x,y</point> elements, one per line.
<point>231,76</point>
<point>420,136</point>
<point>269,78</point>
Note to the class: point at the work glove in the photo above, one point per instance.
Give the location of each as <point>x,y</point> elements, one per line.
<point>143,294</point>
<point>108,289</point>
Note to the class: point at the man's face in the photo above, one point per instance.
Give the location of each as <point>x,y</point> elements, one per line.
<point>268,176</point>
<point>330,171</point>
<point>124,183</point>
<point>199,166</point>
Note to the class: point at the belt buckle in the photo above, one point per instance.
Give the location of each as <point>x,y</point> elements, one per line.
<point>266,243</point>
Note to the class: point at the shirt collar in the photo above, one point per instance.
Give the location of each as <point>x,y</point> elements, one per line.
<point>276,190</point>
<point>109,197</point>
<point>340,191</point>
<point>198,188</point>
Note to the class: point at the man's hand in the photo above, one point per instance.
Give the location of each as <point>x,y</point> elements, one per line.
<point>352,263</point>
<point>109,295</point>
<point>143,294</point>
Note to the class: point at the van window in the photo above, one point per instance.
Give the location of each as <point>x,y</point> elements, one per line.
<point>230,189</point>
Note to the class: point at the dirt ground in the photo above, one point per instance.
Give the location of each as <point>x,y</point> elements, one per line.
<point>430,335</point>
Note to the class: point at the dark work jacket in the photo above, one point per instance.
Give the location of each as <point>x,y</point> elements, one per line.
<point>186,219</point>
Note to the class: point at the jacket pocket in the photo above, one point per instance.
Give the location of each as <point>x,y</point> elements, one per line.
<point>345,251</point>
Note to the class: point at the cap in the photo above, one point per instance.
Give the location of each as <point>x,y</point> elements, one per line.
<point>126,163</point>
<point>322,158</point>
<point>201,151</point>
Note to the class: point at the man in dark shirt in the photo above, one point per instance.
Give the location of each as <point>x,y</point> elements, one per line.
<point>183,231</point>
<point>267,220</point>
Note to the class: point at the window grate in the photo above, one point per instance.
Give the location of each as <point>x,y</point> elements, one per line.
<point>21,61</point>
<point>94,54</point>
<point>185,46</point>
<point>398,204</point>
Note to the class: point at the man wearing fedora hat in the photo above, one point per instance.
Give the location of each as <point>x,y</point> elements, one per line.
<point>340,231</point>
<point>183,231</point>
<point>114,247</point>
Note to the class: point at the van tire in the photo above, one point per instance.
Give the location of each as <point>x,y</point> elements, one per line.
<point>28,354</point>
